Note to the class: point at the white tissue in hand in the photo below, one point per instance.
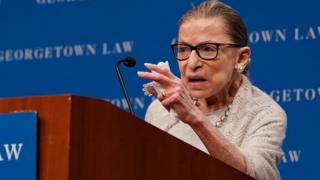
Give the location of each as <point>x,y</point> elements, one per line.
<point>154,86</point>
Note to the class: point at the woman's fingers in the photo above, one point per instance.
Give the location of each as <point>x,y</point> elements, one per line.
<point>176,95</point>
<point>160,78</point>
<point>161,70</point>
<point>183,106</point>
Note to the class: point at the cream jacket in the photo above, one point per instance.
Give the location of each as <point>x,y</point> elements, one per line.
<point>256,125</point>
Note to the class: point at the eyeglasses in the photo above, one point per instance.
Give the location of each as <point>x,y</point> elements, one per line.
<point>206,51</point>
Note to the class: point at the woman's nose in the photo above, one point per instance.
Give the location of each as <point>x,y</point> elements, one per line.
<point>194,61</point>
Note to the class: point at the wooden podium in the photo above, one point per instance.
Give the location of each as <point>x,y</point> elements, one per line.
<point>88,139</point>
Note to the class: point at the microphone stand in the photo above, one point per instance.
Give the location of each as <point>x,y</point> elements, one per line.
<point>123,86</point>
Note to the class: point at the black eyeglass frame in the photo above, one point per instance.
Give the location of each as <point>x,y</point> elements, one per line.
<point>195,48</point>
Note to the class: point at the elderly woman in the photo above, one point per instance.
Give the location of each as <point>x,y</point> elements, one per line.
<point>214,106</point>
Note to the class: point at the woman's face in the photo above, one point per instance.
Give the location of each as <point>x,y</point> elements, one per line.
<point>202,78</point>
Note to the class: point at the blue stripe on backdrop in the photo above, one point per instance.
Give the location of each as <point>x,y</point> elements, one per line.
<point>70,46</point>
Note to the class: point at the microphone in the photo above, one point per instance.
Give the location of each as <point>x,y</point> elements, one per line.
<point>128,62</point>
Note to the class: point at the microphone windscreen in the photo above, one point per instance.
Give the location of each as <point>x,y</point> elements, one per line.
<point>129,61</point>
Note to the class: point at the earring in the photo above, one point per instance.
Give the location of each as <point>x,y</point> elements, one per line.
<point>239,68</point>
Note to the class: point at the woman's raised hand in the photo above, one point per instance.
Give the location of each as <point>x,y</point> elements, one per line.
<point>174,96</point>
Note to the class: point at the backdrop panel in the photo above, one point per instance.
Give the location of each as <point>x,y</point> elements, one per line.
<point>71,46</point>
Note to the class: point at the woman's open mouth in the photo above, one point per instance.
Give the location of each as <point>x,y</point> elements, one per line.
<point>195,81</point>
